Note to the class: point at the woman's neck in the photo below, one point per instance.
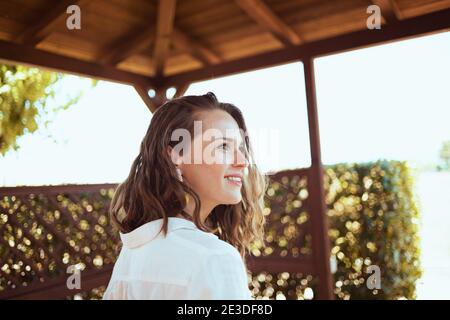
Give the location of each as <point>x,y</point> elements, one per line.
<point>205,209</point>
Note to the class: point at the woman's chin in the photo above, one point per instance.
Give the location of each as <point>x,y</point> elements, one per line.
<point>231,200</point>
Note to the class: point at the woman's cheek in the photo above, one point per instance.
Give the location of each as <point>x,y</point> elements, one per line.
<point>212,174</point>
<point>219,157</point>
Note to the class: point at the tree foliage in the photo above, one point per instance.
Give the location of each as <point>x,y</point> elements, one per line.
<point>26,94</point>
<point>445,154</point>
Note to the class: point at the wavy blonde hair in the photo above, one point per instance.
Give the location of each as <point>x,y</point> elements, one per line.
<point>153,191</point>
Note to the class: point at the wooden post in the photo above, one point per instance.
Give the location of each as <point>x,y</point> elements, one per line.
<point>152,103</point>
<point>319,225</point>
<point>181,90</point>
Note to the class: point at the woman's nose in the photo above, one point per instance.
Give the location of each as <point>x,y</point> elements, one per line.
<point>240,160</point>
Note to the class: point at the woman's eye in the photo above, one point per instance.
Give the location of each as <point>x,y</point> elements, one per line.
<point>224,146</point>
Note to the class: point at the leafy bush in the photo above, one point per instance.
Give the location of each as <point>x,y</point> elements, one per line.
<point>373,220</point>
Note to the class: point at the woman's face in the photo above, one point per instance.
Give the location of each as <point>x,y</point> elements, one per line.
<point>216,163</point>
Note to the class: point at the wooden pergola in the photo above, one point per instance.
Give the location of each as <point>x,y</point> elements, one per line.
<point>155,45</point>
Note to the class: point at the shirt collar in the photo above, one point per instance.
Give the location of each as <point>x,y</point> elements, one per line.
<point>150,230</point>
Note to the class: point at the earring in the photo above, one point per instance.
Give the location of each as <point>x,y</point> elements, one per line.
<point>180,177</point>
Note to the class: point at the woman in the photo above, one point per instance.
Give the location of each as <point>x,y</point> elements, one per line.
<point>190,206</point>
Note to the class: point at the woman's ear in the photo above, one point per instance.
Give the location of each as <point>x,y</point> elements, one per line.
<point>174,156</point>
<point>176,160</point>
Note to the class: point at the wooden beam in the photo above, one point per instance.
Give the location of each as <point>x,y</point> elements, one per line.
<point>54,190</point>
<point>408,28</point>
<point>152,103</point>
<point>278,264</point>
<point>56,288</point>
<point>196,49</point>
<point>164,27</point>
<point>319,224</point>
<point>389,10</point>
<point>139,40</point>
<point>262,14</point>
<point>46,24</point>
<point>127,46</point>
<point>424,6</point>
<point>143,93</point>
<point>21,54</point>
<point>181,90</point>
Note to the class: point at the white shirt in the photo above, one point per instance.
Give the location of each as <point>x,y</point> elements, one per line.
<point>187,264</point>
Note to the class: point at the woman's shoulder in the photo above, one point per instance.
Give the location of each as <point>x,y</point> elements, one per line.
<point>204,243</point>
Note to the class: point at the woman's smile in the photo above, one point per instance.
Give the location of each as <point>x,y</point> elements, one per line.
<point>234,179</point>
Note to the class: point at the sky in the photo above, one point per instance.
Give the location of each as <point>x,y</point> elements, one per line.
<point>385,102</point>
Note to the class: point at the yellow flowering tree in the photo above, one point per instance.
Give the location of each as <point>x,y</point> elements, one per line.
<point>25,93</point>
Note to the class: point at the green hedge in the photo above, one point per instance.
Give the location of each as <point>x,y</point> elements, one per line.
<point>373,220</point>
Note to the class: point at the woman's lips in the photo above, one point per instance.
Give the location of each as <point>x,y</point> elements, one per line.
<point>235,180</point>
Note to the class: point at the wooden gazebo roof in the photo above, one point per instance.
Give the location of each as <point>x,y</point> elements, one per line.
<point>160,44</point>
<point>148,43</point>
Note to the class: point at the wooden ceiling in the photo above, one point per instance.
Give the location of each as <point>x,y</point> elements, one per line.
<point>136,40</point>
